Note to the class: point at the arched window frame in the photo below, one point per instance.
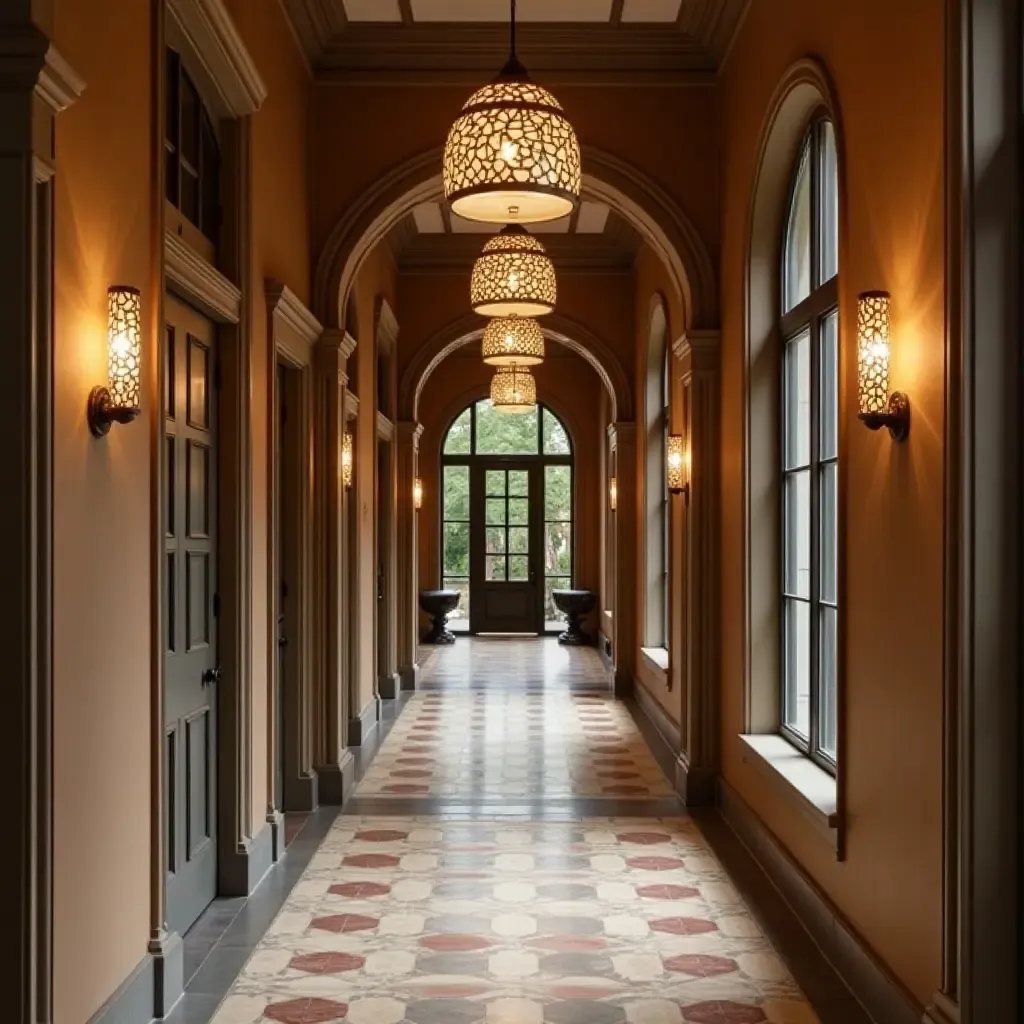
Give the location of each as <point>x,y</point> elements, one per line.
<point>809,432</point>
<point>657,517</point>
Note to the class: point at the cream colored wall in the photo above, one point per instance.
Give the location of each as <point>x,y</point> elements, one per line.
<point>101,547</point>
<point>886,61</point>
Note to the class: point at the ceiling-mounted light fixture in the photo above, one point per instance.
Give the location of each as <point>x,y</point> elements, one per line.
<point>512,157</point>
<point>513,390</point>
<point>513,276</point>
<point>513,339</point>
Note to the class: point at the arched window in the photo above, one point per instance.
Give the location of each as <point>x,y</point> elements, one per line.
<point>656,531</point>
<point>809,330</point>
<point>507,518</point>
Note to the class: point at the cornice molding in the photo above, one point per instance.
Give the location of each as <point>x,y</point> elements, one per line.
<point>697,342</point>
<point>314,23</point>
<point>340,340</point>
<point>200,283</point>
<point>385,428</point>
<point>59,85</point>
<point>351,406</point>
<point>387,326</point>
<point>222,51</point>
<point>295,328</point>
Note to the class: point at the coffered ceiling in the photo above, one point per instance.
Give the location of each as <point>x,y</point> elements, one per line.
<point>633,41</point>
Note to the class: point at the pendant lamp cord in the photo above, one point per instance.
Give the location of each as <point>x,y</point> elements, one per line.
<point>512,32</point>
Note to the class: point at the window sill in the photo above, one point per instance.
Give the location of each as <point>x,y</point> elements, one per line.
<point>657,656</point>
<point>812,789</point>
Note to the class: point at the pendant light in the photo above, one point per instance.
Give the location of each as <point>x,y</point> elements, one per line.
<point>513,276</point>
<point>512,157</point>
<point>513,390</point>
<point>513,339</point>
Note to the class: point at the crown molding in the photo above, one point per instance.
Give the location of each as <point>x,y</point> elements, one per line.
<point>200,283</point>
<point>59,85</point>
<point>314,23</point>
<point>714,23</point>
<point>295,330</point>
<point>219,47</point>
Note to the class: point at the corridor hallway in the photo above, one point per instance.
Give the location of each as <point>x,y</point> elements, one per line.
<point>513,855</point>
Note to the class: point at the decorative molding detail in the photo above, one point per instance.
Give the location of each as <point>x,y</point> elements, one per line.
<point>314,23</point>
<point>943,1010</point>
<point>867,978</point>
<point>351,406</point>
<point>387,327</point>
<point>200,283</point>
<point>59,85</point>
<point>385,428</point>
<point>696,342</point>
<point>219,46</point>
<point>297,329</point>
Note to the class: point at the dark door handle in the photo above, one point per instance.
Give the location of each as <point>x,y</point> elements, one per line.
<point>211,675</point>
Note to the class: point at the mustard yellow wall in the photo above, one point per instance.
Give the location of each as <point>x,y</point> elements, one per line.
<point>886,61</point>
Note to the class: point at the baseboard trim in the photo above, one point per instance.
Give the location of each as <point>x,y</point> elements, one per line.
<point>409,678</point>
<point>362,727</point>
<point>168,955</point>
<point>882,996</point>
<point>337,780</point>
<point>942,1010</point>
<point>657,716</point>
<point>244,869</point>
<point>696,785</point>
<point>622,685</point>
<point>300,793</point>
<point>388,686</point>
<point>134,1000</point>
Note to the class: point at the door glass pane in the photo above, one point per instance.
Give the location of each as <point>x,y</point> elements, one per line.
<point>828,556</point>
<point>558,492</point>
<point>519,540</point>
<point>828,230</point>
<point>495,539</point>
<point>519,511</point>
<point>797,258</point>
<point>551,613</point>
<point>556,440</point>
<point>828,673</point>
<point>828,402</point>
<point>519,567</point>
<point>495,483</point>
<point>456,549</point>
<point>496,511</point>
<point>497,433</point>
<point>495,567</point>
<point>458,619</point>
<point>796,398</point>
<point>456,492</point>
<point>796,669</point>
<point>459,434</point>
<point>557,549</point>
<point>796,555</point>
<point>519,482</point>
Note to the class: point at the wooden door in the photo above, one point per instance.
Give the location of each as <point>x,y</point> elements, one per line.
<point>191,666</point>
<point>506,547</point>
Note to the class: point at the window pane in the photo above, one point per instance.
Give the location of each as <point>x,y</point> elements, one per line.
<point>519,540</point>
<point>496,511</point>
<point>796,398</point>
<point>458,619</point>
<point>828,229</point>
<point>551,612</point>
<point>828,399</point>
<point>210,181</point>
<point>558,549</point>
<point>495,540</point>
<point>456,549</point>
<point>556,440</point>
<point>495,567</point>
<point>796,527</point>
<point>519,567</point>
<point>829,528</point>
<point>519,511</point>
<point>458,440</point>
<point>189,184</point>
<point>558,492</point>
<point>495,483</point>
<point>797,258</point>
<point>519,482</point>
<point>828,687</point>
<point>497,433</point>
<point>796,668</point>
<point>456,492</point>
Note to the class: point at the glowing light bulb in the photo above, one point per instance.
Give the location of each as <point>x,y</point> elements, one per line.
<point>513,281</point>
<point>509,151</point>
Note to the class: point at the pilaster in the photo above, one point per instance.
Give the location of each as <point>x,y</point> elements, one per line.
<point>624,649</point>
<point>407,449</point>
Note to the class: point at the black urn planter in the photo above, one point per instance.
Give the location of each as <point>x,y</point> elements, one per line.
<point>577,604</point>
<point>439,604</point>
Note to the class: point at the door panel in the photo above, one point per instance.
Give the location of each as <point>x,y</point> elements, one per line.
<point>190,698</point>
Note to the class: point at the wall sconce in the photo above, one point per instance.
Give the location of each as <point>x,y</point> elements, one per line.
<point>878,408</point>
<point>678,466</point>
<point>613,493</point>
<point>417,494</point>
<point>118,402</point>
<point>346,459</point>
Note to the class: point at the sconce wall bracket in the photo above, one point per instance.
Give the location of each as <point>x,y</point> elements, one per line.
<point>102,413</point>
<point>897,419</point>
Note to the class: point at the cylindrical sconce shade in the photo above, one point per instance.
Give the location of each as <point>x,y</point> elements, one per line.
<point>513,276</point>
<point>675,464</point>
<point>513,390</point>
<point>513,339</point>
<point>613,493</point>
<point>873,352</point>
<point>417,493</point>
<point>346,459</point>
<point>119,401</point>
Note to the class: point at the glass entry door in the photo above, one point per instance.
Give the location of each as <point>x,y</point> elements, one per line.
<point>505,548</point>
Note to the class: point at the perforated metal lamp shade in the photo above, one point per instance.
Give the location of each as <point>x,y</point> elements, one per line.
<point>513,340</point>
<point>513,390</point>
<point>513,276</point>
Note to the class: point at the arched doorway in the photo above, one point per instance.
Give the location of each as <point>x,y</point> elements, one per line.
<point>507,517</point>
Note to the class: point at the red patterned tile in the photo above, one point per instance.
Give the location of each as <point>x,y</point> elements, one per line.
<point>405,787</point>
<point>723,1012</point>
<point>699,965</point>
<point>624,789</point>
<point>381,835</point>
<point>360,890</point>
<point>305,1011</point>
<point>455,943</point>
<point>569,943</point>
<point>326,963</point>
<point>414,760</point>
<point>613,762</point>
<point>643,838</point>
<point>345,923</point>
<point>411,773</point>
<point>667,892</point>
<point>655,863</point>
<point>609,750</point>
<point>371,860</point>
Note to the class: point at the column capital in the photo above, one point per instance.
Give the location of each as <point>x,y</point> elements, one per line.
<point>698,349</point>
<point>336,340</point>
<point>409,432</point>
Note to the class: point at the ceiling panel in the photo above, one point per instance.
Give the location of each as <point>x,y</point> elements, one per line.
<point>461,226</point>
<point>552,227</point>
<point>372,10</point>
<point>498,10</point>
<point>593,218</point>
<point>428,219</point>
<point>651,10</point>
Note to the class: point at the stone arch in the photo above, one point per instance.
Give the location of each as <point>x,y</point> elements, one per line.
<point>557,328</point>
<point>608,179</point>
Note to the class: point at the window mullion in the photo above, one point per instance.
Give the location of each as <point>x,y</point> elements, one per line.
<point>815,510</point>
